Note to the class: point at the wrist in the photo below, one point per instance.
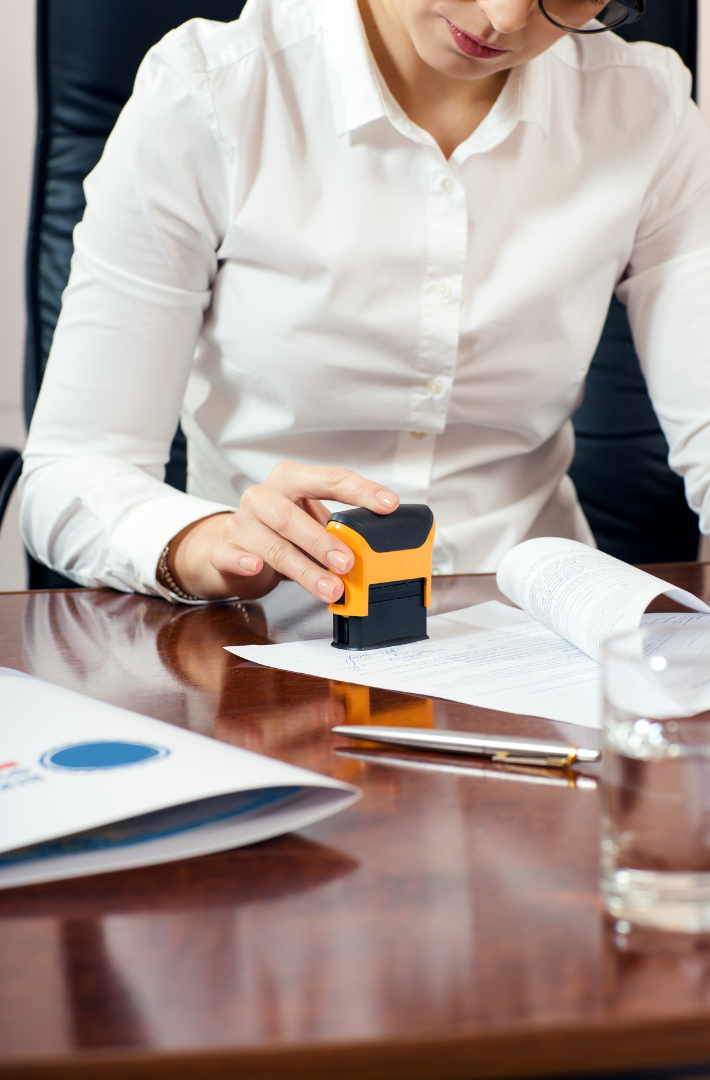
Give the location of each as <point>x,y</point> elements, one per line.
<point>187,562</point>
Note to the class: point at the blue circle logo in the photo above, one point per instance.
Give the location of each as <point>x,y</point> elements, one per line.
<point>102,755</point>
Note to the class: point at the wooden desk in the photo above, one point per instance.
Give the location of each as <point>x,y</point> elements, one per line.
<point>447,926</point>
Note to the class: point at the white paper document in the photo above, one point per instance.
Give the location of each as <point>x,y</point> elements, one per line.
<point>87,787</point>
<point>489,655</point>
<point>499,657</point>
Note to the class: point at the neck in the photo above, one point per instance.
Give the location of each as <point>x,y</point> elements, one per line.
<point>449,109</point>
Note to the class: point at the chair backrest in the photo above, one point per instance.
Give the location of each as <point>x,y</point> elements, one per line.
<point>635,504</point>
<point>88,53</point>
<point>10,468</point>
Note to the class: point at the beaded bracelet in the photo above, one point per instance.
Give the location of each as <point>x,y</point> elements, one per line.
<point>166,578</point>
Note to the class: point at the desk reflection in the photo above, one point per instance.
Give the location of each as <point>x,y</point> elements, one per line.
<point>646,967</point>
<point>198,962</point>
<point>101,1007</point>
<point>144,654</point>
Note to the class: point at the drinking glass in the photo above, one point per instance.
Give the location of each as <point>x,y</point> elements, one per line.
<point>655,842</point>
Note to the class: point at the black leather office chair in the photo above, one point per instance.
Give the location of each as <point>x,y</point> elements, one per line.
<point>87,56</point>
<point>10,469</point>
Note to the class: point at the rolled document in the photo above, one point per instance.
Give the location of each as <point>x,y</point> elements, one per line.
<point>582,594</point>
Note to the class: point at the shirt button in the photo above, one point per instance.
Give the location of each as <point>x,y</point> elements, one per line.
<point>443,290</point>
<point>435,387</point>
<point>448,184</point>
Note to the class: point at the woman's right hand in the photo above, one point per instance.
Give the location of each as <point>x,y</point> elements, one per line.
<point>278,531</point>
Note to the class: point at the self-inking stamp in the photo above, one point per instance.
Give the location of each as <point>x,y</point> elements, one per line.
<point>388,589</point>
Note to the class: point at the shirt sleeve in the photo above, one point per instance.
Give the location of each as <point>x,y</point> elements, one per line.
<point>94,505</point>
<point>666,290</point>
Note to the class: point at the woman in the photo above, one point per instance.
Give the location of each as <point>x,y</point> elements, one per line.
<point>380,243</point>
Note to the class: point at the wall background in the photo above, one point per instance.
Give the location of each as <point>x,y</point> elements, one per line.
<point>17,124</point>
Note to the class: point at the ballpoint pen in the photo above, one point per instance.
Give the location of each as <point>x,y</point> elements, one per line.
<point>506,748</point>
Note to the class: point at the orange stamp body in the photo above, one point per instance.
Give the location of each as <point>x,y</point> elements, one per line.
<point>388,589</point>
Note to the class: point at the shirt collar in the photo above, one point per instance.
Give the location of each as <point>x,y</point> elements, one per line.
<point>524,98</point>
<point>358,97</point>
<point>535,92</point>
<point>352,73</point>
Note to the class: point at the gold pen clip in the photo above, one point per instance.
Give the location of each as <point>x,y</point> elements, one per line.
<point>556,762</point>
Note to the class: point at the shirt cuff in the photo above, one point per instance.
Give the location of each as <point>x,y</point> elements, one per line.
<point>141,535</point>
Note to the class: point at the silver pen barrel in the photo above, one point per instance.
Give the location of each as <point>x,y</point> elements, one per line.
<point>508,748</point>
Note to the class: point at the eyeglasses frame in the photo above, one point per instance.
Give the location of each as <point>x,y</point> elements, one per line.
<point>636,8</point>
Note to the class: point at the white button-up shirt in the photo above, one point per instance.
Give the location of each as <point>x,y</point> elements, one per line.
<point>271,245</point>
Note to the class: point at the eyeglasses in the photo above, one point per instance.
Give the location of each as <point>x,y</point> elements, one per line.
<point>573,15</point>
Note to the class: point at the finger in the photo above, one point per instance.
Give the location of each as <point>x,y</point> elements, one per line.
<point>230,559</point>
<point>342,485</point>
<point>290,521</point>
<point>315,509</point>
<point>247,586</point>
<point>286,558</point>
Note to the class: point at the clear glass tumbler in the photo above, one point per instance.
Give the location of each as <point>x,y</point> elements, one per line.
<point>655,842</point>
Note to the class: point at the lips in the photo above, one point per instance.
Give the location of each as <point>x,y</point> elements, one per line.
<point>473,46</point>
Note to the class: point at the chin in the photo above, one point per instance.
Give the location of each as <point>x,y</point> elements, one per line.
<point>456,66</point>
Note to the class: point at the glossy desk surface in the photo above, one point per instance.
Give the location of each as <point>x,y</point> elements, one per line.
<point>446,926</point>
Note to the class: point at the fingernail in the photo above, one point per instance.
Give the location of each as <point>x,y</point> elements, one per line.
<point>249,562</point>
<point>386,498</point>
<point>327,587</point>
<point>339,561</point>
